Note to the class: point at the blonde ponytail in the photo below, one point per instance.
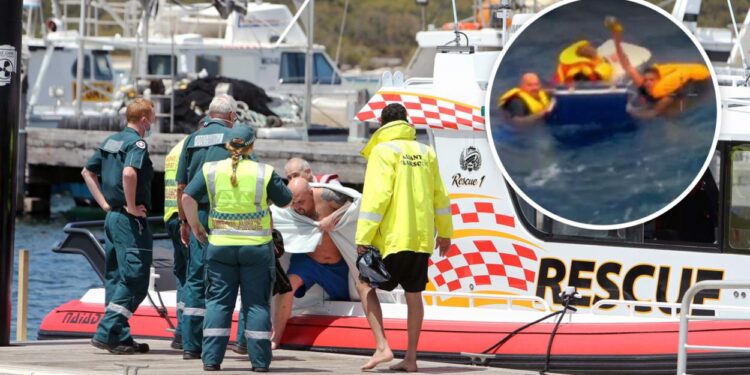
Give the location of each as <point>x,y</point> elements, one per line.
<point>236,154</point>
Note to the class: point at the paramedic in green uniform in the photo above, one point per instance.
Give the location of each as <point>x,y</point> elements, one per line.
<point>240,253</point>
<point>206,144</point>
<point>123,163</point>
<point>172,223</point>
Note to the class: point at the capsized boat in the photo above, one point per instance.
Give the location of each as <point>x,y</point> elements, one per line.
<point>510,266</point>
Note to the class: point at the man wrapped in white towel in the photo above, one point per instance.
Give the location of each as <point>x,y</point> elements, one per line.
<point>318,231</point>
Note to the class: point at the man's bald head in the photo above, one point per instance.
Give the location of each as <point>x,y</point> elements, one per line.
<point>302,197</point>
<point>298,167</point>
<point>530,83</point>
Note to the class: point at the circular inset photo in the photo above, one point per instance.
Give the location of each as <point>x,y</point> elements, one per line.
<point>603,113</point>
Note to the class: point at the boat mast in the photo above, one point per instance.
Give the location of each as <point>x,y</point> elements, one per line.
<point>10,95</point>
<point>80,60</point>
<point>309,68</point>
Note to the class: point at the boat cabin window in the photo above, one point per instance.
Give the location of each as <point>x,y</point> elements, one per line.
<point>739,197</point>
<point>211,63</point>
<point>694,221</point>
<point>160,65</point>
<point>86,68</point>
<point>102,69</point>
<point>292,69</point>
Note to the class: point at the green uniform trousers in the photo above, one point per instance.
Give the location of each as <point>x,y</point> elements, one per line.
<point>127,262</point>
<point>252,270</point>
<point>194,292</point>
<point>179,268</point>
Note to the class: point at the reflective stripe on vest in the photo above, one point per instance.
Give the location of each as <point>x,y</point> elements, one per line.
<point>170,183</point>
<point>239,215</point>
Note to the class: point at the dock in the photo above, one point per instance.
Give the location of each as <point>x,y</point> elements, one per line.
<point>56,156</point>
<point>67,357</point>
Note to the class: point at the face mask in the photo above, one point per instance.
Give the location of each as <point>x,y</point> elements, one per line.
<point>147,133</point>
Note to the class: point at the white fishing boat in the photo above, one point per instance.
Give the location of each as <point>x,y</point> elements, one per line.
<point>265,46</point>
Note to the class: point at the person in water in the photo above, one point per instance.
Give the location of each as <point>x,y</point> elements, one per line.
<point>660,85</point>
<point>526,104</point>
<point>580,61</point>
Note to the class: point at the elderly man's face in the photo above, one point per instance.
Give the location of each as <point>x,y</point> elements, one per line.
<point>295,171</point>
<point>303,203</point>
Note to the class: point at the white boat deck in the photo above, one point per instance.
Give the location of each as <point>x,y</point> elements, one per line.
<point>79,357</point>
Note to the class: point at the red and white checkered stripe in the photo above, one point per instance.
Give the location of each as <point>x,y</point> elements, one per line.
<point>482,264</point>
<point>467,212</point>
<point>432,112</point>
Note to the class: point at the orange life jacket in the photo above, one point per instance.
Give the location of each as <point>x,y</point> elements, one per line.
<point>572,65</point>
<point>534,105</point>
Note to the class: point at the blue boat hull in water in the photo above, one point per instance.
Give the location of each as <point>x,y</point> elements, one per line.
<point>583,116</point>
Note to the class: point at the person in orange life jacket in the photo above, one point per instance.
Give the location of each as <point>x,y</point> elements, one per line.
<point>659,85</point>
<point>580,61</point>
<point>526,104</point>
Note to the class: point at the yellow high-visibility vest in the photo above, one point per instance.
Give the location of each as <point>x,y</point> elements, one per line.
<point>239,215</point>
<point>404,200</point>
<point>170,182</point>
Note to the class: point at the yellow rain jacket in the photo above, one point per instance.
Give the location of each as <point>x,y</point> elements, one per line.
<point>571,64</point>
<point>170,182</point>
<point>404,199</point>
<point>673,77</point>
<point>534,105</point>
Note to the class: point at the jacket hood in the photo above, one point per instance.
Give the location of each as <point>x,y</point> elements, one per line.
<point>389,132</point>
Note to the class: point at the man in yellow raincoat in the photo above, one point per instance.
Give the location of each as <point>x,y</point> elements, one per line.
<point>404,204</point>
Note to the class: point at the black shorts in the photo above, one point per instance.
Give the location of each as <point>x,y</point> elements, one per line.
<point>407,268</point>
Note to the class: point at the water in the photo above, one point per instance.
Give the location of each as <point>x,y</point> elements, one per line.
<point>620,175</point>
<point>53,278</point>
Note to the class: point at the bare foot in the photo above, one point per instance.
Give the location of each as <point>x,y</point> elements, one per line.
<point>406,366</point>
<point>378,358</point>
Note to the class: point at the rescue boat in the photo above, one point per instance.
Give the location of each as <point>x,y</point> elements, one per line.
<point>518,289</point>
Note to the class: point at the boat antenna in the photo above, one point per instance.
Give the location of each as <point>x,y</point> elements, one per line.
<point>455,27</point>
<point>738,42</point>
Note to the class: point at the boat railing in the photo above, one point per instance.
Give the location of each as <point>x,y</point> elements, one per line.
<point>686,309</point>
<point>418,81</point>
<point>509,300</point>
<point>601,306</point>
<point>80,239</point>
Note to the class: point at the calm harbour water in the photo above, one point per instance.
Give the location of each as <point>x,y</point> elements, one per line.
<point>53,278</point>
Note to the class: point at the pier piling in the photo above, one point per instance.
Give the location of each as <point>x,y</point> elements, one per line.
<point>10,93</point>
<point>22,311</point>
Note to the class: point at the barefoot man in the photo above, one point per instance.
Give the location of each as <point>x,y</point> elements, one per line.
<point>404,204</point>
<point>324,266</point>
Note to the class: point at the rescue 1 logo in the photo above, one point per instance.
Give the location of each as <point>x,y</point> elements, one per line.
<point>471,159</point>
<point>7,64</point>
<point>140,144</point>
